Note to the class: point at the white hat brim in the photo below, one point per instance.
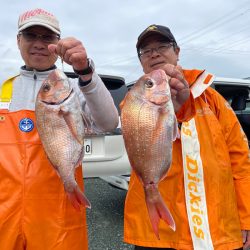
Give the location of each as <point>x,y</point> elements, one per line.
<point>30,24</point>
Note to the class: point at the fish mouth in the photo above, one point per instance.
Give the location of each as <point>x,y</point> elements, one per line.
<point>160,99</point>
<point>62,101</point>
<point>160,102</point>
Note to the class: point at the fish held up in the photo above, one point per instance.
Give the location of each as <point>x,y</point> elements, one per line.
<point>149,127</point>
<point>60,124</point>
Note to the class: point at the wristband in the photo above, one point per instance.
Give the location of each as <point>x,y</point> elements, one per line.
<point>86,71</point>
<point>82,83</point>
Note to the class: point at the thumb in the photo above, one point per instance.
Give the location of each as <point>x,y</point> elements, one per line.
<point>52,48</point>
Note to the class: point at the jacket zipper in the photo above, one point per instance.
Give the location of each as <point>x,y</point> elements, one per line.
<point>34,85</point>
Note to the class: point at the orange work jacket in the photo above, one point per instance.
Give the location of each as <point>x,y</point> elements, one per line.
<point>35,213</point>
<point>226,167</point>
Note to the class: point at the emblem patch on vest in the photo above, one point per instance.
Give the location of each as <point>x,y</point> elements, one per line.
<point>26,125</point>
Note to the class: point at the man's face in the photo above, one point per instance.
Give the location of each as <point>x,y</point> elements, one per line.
<point>156,52</point>
<point>34,50</point>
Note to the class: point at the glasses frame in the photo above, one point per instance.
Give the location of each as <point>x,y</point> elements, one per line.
<point>41,37</point>
<point>162,48</point>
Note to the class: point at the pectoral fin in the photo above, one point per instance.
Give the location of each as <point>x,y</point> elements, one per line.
<point>72,124</point>
<point>176,131</point>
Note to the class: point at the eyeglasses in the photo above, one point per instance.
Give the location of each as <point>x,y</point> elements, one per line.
<point>160,49</point>
<point>32,37</point>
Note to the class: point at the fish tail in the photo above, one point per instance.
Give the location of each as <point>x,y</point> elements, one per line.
<point>77,198</point>
<point>157,209</point>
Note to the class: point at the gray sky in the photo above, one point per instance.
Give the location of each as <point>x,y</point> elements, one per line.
<point>213,35</point>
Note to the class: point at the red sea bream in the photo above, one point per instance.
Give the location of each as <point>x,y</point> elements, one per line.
<point>60,124</point>
<point>149,127</point>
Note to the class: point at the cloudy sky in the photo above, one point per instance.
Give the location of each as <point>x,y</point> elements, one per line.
<point>212,35</point>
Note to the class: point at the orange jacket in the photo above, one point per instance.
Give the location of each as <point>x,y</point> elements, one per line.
<point>35,212</point>
<point>226,167</point>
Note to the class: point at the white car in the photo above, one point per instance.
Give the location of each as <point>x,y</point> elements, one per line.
<point>105,155</point>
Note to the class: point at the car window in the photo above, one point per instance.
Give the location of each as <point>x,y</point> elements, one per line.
<point>118,95</point>
<point>248,105</point>
<point>238,97</point>
<point>116,87</point>
<point>115,84</point>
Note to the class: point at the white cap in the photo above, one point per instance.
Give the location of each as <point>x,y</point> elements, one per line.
<point>38,17</point>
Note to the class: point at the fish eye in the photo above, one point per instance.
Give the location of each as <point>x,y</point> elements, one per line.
<point>149,83</point>
<point>46,88</point>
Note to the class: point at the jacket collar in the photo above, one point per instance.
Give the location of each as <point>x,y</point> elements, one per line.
<point>192,75</point>
<point>35,74</point>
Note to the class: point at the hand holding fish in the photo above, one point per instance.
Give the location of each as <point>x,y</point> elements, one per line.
<point>71,51</point>
<point>179,88</point>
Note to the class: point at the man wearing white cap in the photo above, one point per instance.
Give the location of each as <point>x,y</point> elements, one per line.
<point>35,212</point>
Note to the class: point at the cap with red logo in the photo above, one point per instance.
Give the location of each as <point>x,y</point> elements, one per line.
<point>38,17</point>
